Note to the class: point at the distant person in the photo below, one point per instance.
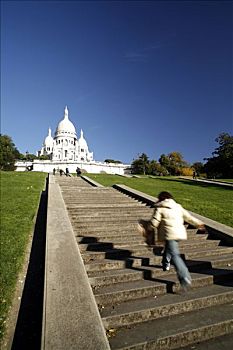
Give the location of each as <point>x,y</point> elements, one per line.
<point>169,218</point>
<point>61,172</point>
<point>54,171</point>
<point>78,171</point>
<point>67,172</point>
<point>194,175</point>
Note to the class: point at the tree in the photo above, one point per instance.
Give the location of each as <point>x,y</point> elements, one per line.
<point>198,167</point>
<point>221,164</point>
<point>45,157</point>
<point>173,162</point>
<point>156,168</point>
<point>8,153</point>
<point>140,165</point>
<point>164,160</point>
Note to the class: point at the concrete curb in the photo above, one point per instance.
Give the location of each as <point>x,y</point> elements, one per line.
<point>92,182</point>
<point>71,318</point>
<point>211,182</point>
<point>220,230</point>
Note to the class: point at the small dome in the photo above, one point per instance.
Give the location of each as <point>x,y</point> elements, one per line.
<point>82,142</point>
<point>65,126</point>
<point>48,141</point>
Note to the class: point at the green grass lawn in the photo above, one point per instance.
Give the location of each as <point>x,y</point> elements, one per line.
<point>211,201</point>
<point>20,195</point>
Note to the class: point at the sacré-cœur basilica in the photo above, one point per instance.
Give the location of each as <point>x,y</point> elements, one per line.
<point>65,146</point>
<point>66,150</point>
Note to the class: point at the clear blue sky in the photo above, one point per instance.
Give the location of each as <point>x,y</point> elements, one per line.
<point>137,76</point>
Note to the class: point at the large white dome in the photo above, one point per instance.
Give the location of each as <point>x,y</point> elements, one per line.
<point>65,126</point>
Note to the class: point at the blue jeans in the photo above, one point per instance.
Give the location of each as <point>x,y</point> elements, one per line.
<point>171,252</point>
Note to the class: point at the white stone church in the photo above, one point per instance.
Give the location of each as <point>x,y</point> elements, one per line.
<point>65,146</point>
<point>66,150</point>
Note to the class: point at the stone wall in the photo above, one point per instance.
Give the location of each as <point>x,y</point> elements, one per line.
<point>91,167</point>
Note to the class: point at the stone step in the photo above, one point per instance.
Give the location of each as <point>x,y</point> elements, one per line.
<point>176,331</point>
<point>106,211</point>
<point>130,262</point>
<point>106,231</point>
<point>111,218</point>
<point>105,226</point>
<point>120,239</point>
<point>223,342</point>
<point>107,277</point>
<point>105,246</point>
<point>143,310</point>
<point>141,250</point>
<point>81,196</point>
<point>118,293</point>
<point>103,205</point>
<point>108,238</point>
<point>100,200</point>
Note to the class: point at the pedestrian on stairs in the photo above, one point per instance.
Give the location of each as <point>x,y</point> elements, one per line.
<point>78,171</point>
<point>169,218</point>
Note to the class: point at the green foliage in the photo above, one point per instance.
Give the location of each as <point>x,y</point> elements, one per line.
<point>113,161</point>
<point>44,157</point>
<point>20,194</point>
<point>171,164</point>
<point>176,163</point>
<point>140,165</point>
<point>8,153</point>
<point>198,167</point>
<point>156,169</point>
<point>29,157</point>
<point>221,164</point>
<point>211,201</point>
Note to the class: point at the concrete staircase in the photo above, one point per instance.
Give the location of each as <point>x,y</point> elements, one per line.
<point>142,306</point>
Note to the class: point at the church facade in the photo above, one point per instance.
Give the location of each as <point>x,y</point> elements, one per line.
<point>66,146</point>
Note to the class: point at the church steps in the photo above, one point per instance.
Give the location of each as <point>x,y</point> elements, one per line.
<point>106,246</point>
<point>106,230</point>
<point>94,245</point>
<point>111,216</point>
<point>100,195</point>
<point>106,277</point>
<point>108,238</point>
<point>105,211</point>
<point>88,199</point>
<point>86,241</point>
<point>176,331</point>
<point>110,219</point>
<point>145,260</point>
<point>122,235</point>
<point>135,296</point>
<point>142,250</point>
<point>103,205</point>
<point>132,290</point>
<point>150,308</point>
<point>130,227</point>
